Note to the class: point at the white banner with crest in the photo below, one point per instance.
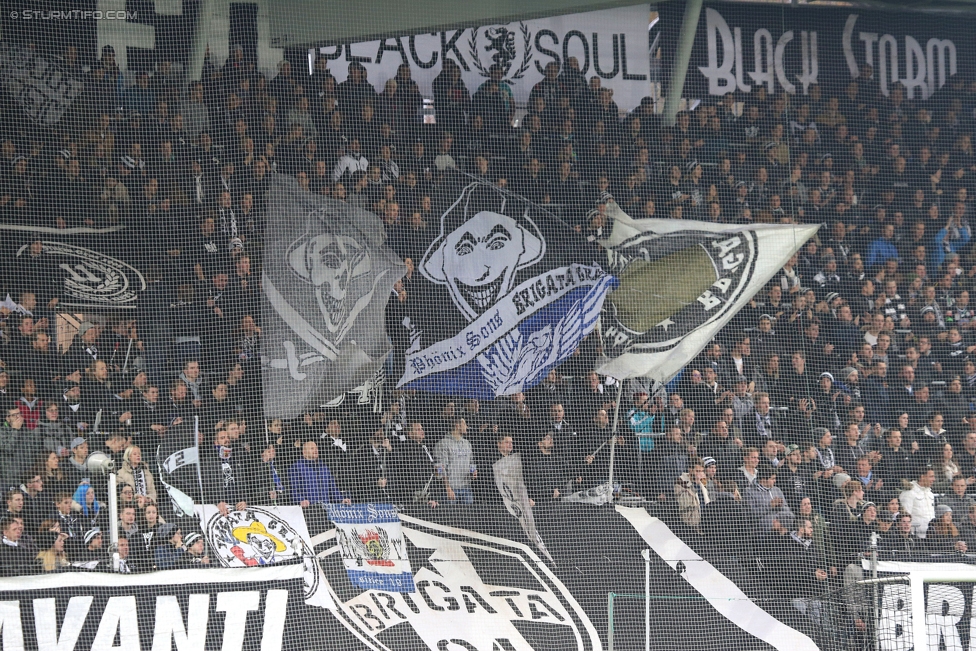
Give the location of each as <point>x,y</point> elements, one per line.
<point>610,44</point>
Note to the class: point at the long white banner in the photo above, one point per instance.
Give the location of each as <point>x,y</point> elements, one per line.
<point>611,44</point>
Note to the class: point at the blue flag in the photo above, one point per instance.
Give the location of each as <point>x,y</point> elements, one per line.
<point>373,550</point>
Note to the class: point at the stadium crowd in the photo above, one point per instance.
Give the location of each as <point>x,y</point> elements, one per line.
<point>837,405</point>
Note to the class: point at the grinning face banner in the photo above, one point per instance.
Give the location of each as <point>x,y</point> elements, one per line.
<point>479,258</point>
<point>509,292</point>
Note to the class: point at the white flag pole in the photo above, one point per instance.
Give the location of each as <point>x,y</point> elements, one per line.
<point>613,431</point>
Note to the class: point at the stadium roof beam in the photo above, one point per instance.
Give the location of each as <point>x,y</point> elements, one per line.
<point>313,22</point>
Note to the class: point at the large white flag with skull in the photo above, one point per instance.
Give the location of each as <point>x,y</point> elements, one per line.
<point>327,278</point>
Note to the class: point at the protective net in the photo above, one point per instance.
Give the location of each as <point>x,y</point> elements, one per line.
<point>469,338</point>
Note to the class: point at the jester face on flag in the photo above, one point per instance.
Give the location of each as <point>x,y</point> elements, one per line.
<point>509,292</point>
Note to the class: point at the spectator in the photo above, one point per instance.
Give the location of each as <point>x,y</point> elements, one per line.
<point>957,500</point>
<point>52,557</point>
<point>807,580</point>
<point>692,495</point>
<point>455,464</point>
<point>750,466</point>
<point>942,536</point>
<point>169,548</point>
<point>94,552</point>
<point>135,474</point>
<point>17,552</point>
<point>223,476</point>
<point>194,556</point>
<point>768,502</point>
<point>919,502</point>
<point>311,481</point>
<point>14,448</point>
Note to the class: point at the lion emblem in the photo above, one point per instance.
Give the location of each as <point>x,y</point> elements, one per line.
<point>501,41</point>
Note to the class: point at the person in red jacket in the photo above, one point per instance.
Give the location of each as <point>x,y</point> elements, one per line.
<point>29,404</point>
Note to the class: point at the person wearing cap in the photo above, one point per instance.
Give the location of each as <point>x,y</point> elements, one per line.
<point>194,555</point>
<point>169,546</point>
<point>643,420</point>
<point>794,478</point>
<point>942,536</point>
<point>94,552</point>
<point>75,469</point>
<point>825,403</point>
<point>767,501</point>
<point>711,474</point>
<point>75,410</point>
<point>929,323</point>
<point>83,350</point>
<point>742,404</point>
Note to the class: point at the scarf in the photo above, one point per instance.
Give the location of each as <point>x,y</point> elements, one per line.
<point>275,478</point>
<point>826,457</point>
<point>762,423</point>
<point>804,542</point>
<point>141,485</point>
<point>228,224</point>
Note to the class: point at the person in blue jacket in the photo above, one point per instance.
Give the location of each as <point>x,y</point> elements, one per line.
<point>311,481</point>
<point>951,239</point>
<point>883,248</point>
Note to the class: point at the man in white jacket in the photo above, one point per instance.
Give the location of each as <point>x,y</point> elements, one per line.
<point>919,502</point>
<point>350,162</point>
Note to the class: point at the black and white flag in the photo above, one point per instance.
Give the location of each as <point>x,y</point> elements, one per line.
<point>680,283</point>
<point>506,292</point>
<point>178,467</point>
<point>511,484</point>
<point>42,87</point>
<point>327,278</point>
